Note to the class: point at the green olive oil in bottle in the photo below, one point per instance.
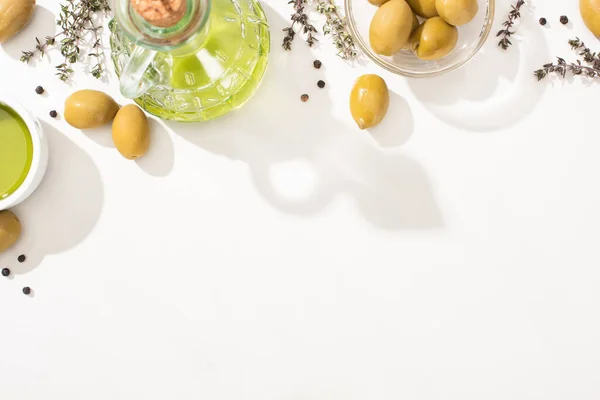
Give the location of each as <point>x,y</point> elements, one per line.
<point>206,65</point>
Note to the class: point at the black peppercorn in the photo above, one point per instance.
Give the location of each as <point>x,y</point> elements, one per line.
<point>321,84</point>
<point>39,90</point>
<point>53,114</point>
<point>27,290</point>
<point>21,258</point>
<point>564,20</point>
<point>543,21</point>
<point>317,64</point>
<point>5,272</point>
<point>304,98</point>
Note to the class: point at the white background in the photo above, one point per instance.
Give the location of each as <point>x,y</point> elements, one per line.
<point>281,253</point>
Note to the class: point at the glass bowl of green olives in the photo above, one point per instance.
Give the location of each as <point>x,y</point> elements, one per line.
<point>420,38</point>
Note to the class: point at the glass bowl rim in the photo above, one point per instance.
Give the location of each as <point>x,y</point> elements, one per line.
<point>396,69</point>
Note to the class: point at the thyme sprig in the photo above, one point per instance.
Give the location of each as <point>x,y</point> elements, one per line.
<point>299,17</point>
<point>76,20</point>
<point>335,26</point>
<point>506,33</point>
<point>585,53</point>
<point>561,67</point>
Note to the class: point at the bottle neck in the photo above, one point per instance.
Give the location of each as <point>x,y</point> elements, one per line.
<point>166,32</point>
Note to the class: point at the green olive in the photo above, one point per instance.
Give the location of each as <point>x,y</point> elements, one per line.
<point>131,132</point>
<point>369,101</point>
<point>10,229</point>
<point>423,8</point>
<point>390,27</point>
<point>378,3</point>
<point>457,12</point>
<point>590,13</point>
<point>415,25</point>
<point>434,39</point>
<point>90,109</point>
<point>14,15</point>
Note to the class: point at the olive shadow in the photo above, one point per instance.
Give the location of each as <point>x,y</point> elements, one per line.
<point>361,59</point>
<point>496,89</point>
<point>42,24</point>
<point>101,135</point>
<point>160,158</point>
<point>301,157</point>
<point>63,210</point>
<point>398,125</point>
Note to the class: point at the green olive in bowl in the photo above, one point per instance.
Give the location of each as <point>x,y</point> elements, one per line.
<point>423,8</point>
<point>457,12</point>
<point>378,3</point>
<point>471,38</point>
<point>390,27</point>
<point>415,25</point>
<point>434,39</point>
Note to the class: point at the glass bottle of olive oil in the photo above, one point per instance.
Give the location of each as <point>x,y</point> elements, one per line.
<point>206,65</point>
<point>16,151</point>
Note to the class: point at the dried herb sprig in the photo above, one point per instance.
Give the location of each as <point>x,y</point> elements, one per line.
<point>76,19</point>
<point>506,33</point>
<point>561,67</point>
<point>585,53</point>
<point>335,26</point>
<point>299,17</point>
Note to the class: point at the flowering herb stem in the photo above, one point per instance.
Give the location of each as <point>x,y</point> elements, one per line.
<point>299,17</point>
<point>335,26</point>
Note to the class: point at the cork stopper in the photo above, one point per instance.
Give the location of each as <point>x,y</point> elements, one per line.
<point>160,13</point>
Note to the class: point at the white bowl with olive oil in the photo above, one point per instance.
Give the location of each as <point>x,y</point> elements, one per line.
<point>23,153</point>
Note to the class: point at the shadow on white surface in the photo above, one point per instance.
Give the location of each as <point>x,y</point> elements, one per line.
<point>398,126</point>
<point>101,135</point>
<point>493,91</point>
<point>361,58</point>
<point>160,158</point>
<point>301,157</point>
<point>41,25</point>
<point>63,210</point>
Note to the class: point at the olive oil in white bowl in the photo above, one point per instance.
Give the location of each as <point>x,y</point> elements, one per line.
<point>23,153</point>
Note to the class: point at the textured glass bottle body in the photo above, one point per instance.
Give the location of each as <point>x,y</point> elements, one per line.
<point>203,81</point>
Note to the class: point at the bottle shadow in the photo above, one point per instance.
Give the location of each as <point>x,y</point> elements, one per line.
<point>494,90</point>
<point>160,159</point>
<point>301,157</point>
<point>63,210</point>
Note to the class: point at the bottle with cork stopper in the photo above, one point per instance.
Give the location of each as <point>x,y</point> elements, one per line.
<point>189,60</point>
